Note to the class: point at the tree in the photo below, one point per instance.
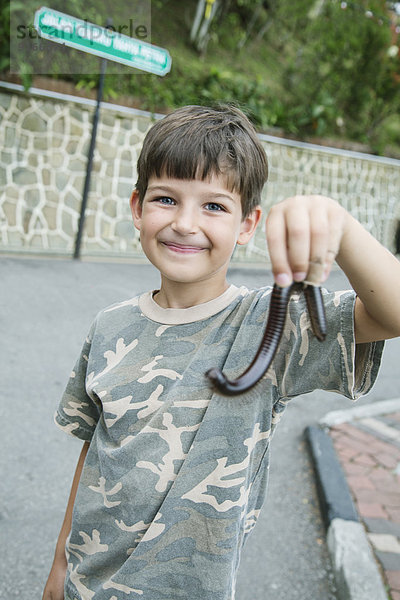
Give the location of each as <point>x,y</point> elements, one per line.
<point>340,72</point>
<point>205,13</point>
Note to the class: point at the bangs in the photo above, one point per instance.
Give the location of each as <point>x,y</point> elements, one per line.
<point>194,159</point>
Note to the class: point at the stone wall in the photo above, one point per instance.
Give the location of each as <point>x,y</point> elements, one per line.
<point>44,145</point>
<point>44,140</point>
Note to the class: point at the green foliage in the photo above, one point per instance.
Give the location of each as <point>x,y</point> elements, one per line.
<point>310,68</point>
<point>5,38</point>
<point>341,79</point>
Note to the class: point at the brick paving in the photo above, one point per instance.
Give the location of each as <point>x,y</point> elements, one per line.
<point>369,452</point>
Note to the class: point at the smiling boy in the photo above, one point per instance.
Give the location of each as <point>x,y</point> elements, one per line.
<point>172,476</point>
<point>189,230</point>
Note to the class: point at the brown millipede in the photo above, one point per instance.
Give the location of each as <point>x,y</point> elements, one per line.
<point>272,335</point>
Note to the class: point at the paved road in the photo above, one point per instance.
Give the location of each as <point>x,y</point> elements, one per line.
<point>46,308</point>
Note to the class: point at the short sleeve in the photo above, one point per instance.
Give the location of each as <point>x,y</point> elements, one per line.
<point>79,412</point>
<point>335,365</point>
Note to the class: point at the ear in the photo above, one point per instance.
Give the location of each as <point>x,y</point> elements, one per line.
<point>136,209</point>
<point>248,226</point>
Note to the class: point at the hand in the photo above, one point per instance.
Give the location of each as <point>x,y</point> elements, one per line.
<point>303,236</point>
<point>54,589</point>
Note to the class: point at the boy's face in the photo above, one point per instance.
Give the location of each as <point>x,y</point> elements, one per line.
<point>189,229</point>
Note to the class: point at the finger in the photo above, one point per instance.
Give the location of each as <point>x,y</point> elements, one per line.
<point>335,235</point>
<point>319,241</point>
<point>275,229</point>
<point>298,241</point>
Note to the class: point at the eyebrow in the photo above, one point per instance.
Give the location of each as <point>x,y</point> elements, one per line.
<point>171,190</point>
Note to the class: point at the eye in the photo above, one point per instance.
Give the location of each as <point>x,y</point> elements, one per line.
<point>214,207</point>
<point>166,200</point>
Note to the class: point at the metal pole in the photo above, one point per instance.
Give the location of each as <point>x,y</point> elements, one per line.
<point>90,160</point>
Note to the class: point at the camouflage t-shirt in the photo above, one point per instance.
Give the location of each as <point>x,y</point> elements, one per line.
<point>176,474</point>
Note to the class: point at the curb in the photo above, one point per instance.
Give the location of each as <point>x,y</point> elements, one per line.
<point>355,569</point>
<point>336,417</point>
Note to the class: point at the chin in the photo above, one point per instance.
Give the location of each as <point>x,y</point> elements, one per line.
<point>182,278</point>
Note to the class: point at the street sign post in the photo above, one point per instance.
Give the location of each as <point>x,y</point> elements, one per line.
<point>108,45</point>
<point>101,41</point>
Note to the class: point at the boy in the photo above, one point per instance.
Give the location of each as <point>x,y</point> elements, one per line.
<point>172,475</point>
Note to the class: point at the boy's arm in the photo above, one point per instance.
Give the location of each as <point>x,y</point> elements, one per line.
<point>374,273</point>
<point>54,589</point>
<point>305,234</point>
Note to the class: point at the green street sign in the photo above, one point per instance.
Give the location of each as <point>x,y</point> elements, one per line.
<point>106,43</point>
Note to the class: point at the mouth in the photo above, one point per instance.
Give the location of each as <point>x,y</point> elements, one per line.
<point>183,248</point>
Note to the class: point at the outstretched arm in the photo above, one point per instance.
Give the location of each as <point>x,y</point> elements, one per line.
<point>54,589</point>
<point>305,234</point>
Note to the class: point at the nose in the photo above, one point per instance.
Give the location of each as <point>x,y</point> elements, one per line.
<point>185,220</point>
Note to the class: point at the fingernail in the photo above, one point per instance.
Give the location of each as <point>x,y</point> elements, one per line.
<point>299,276</point>
<point>283,279</point>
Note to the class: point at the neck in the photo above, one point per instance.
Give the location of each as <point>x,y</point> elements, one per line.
<point>178,295</point>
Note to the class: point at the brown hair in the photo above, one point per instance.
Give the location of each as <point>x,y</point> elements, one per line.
<point>195,142</point>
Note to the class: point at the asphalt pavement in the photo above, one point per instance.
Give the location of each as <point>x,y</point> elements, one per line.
<point>47,306</point>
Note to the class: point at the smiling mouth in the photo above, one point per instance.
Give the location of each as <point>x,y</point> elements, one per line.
<point>183,248</point>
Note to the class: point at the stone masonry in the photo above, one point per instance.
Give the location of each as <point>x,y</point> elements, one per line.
<point>44,141</point>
